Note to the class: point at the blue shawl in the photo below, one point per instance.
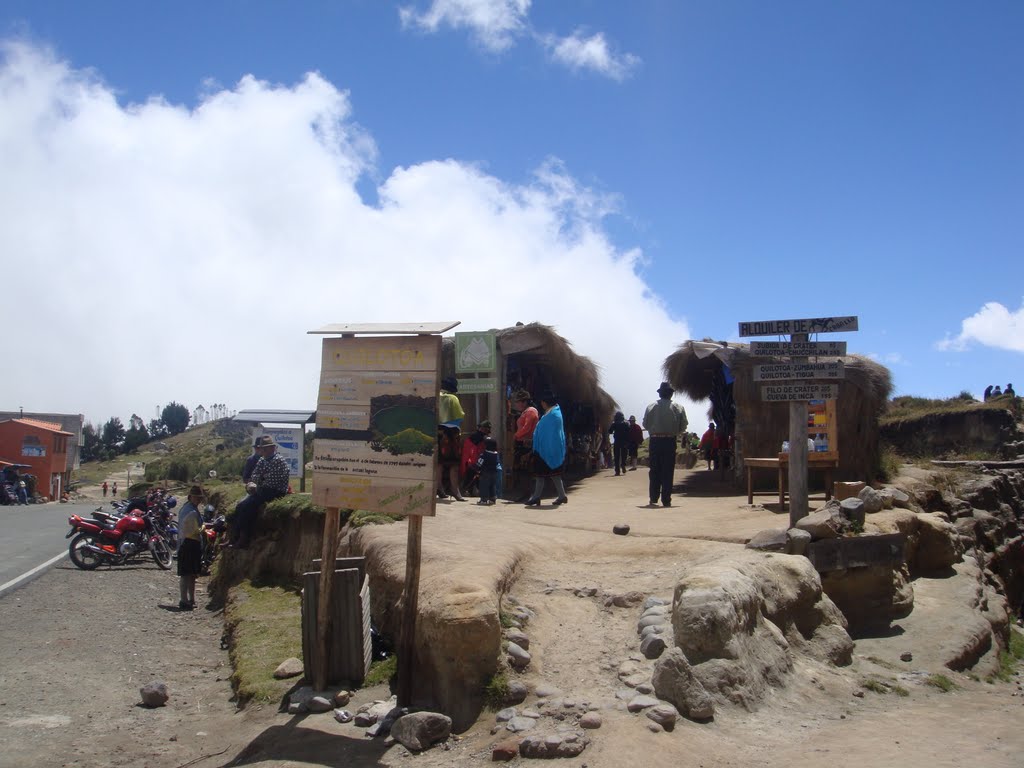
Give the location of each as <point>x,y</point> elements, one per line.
<point>549,438</point>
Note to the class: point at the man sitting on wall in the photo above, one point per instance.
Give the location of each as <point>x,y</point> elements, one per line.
<point>269,481</point>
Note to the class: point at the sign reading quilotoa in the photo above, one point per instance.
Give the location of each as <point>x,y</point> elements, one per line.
<point>783,371</point>
<point>798,348</point>
<point>797,390</point>
<point>807,325</point>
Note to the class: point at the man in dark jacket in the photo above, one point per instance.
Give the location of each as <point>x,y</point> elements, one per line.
<point>269,480</point>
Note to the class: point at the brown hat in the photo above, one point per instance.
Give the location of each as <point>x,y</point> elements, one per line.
<point>665,390</point>
<point>195,490</point>
<point>263,441</point>
<point>520,394</point>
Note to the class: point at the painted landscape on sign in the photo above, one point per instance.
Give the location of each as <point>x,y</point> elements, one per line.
<point>402,424</point>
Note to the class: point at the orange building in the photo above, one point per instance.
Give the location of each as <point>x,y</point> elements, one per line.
<point>43,446</point>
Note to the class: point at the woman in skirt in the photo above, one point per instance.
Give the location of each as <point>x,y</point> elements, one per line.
<point>190,548</point>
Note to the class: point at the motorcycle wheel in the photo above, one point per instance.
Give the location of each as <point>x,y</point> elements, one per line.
<point>82,557</point>
<point>161,552</point>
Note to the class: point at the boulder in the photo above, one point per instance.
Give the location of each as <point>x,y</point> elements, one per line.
<point>797,541</point>
<point>419,730</point>
<point>675,682</point>
<point>154,694</point>
<point>288,668</point>
<point>827,523</point>
<point>518,657</point>
<point>938,545</point>
<point>855,509</point>
<point>664,715</point>
<point>553,745</point>
<point>769,540</point>
<point>872,500</point>
<point>652,646</point>
<point>871,598</point>
<point>505,750</point>
<point>847,490</point>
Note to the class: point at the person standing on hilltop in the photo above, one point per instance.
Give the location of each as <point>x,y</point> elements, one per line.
<point>664,420</point>
<point>1009,391</point>
<point>988,393</point>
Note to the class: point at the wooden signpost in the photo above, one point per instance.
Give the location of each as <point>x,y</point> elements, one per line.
<point>787,385</point>
<point>376,450</point>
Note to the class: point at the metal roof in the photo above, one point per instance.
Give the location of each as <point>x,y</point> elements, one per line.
<point>268,416</point>
<point>387,328</point>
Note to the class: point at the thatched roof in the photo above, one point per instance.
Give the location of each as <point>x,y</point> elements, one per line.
<point>577,377</point>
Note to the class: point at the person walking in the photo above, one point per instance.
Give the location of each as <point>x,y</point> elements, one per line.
<point>104,486</point>
<point>636,439</point>
<point>548,451</point>
<point>113,490</point>
<point>619,430</point>
<point>663,420</point>
<point>190,548</point>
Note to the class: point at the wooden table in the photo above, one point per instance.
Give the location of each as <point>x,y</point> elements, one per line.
<point>781,465</point>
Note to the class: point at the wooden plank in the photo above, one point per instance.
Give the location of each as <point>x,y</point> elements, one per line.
<point>358,387</point>
<point>310,584</point>
<point>856,552</point>
<point>392,355</point>
<point>799,391</point>
<point>386,328</point>
<point>798,349</point>
<point>795,370</point>
<point>410,604</point>
<point>798,326</point>
<point>392,497</point>
<point>330,549</point>
<point>344,564</point>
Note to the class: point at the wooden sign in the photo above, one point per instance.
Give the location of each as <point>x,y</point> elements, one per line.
<point>799,391</point>
<point>798,348</point>
<point>478,386</point>
<point>377,424</point>
<point>784,371</point>
<point>856,552</point>
<point>808,325</point>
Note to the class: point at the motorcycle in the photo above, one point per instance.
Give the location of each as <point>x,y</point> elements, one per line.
<point>214,532</point>
<point>115,541</point>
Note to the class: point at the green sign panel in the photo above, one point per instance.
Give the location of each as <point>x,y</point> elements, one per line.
<point>477,386</point>
<point>475,353</point>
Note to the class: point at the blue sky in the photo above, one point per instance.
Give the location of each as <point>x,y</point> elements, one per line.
<point>199,181</point>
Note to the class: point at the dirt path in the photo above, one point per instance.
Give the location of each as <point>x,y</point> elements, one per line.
<point>77,647</point>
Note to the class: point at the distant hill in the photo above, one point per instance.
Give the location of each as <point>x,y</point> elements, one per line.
<point>958,427</point>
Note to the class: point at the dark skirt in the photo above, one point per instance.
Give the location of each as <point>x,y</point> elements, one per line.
<point>449,446</point>
<point>190,557</point>
<point>540,469</point>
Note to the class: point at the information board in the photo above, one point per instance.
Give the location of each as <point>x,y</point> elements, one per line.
<point>377,424</point>
<point>289,446</point>
<point>783,371</point>
<point>798,348</point>
<point>798,390</point>
<point>805,325</point>
<point>475,352</point>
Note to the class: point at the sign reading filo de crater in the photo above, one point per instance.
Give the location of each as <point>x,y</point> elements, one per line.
<point>377,424</point>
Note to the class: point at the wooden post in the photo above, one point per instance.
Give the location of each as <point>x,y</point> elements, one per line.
<point>323,615</point>
<point>797,452</point>
<point>410,599</point>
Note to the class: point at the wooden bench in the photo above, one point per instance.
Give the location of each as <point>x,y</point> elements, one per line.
<point>781,466</point>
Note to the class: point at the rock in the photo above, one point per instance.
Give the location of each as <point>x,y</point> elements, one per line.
<point>544,690</point>
<point>638,703</point>
<point>634,680</point>
<point>663,628</point>
<point>506,714</point>
<point>517,692</point>
<point>320,704</point>
<point>652,646</point>
<point>419,730</point>
<point>888,498</point>
<point>847,490</point>
<point>872,500</point>
<point>288,668</point>
<point>931,499</point>
<point>769,540</point>
<point>154,694</point>
<point>645,688</point>
<point>341,698</point>
<point>664,715</point>
<point>657,610</point>
<point>855,509</point>
<point>655,728</point>
<point>297,708</point>
<point>624,600</point>
<point>675,682</point>
<point>938,544</point>
<point>302,696</point>
<point>826,523</point>
<point>620,529</point>
<point>797,541</point>
<point>652,601</point>
<point>906,656</point>
<point>518,657</point>
<point>590,720</point>
<point>900,498</point>
<point>871,597</point>
<point>554,745</point>
<point>518,637</point>
<point>519,723</point>
<point>343,716</point>
<point>585,591</point>
<point>505,750</point>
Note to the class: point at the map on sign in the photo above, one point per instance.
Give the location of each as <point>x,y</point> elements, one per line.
<point>475,353</point>
<point>798,348</point>
<point>783,371</point>
<point>806,325</point>
<point>795,391</point>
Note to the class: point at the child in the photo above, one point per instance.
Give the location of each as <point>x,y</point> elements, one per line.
<point>489,467</point>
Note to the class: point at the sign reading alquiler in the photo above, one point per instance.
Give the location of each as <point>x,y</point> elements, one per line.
<point>796,391</point>
<point>783,371</point>
<point>798,348</point>
<point>807,325</point>
<point>377,424</point>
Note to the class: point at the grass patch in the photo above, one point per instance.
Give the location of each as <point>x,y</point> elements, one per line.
<point>889,463</point>
<point>264,623</point>
<point>875,686</point>
<point>382,671</point>
<point>496,690</point>
<point>1009,659</point>
<point>941,682</point>
<point>883,663</point>
<point>899,690</point>
<point>909,408</point>
<point>362,517</point>
<point>507,620</point>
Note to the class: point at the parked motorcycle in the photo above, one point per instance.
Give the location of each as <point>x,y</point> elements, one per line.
<point>116,541</point>
<point>214,532</point>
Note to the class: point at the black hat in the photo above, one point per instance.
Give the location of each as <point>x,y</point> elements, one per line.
<point>665,390</point>
<point>450,384</point>
<point>548,396</point>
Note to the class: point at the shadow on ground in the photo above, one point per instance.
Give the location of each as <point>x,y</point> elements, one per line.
<point>292,742</point>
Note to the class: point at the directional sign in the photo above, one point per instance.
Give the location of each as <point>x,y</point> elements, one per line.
<point>797,391</point>
<point>808,325</point>
<point>783,371</point>
<point>798,348</point>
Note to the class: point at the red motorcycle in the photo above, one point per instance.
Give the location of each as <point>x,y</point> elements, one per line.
<point>115,541</point>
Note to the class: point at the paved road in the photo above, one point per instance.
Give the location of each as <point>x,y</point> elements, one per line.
<point>34,534</point>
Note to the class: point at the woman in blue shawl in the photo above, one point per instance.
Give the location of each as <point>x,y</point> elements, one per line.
<point>548,451</point>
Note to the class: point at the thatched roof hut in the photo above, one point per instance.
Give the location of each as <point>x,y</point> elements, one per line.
<point>698,369</point>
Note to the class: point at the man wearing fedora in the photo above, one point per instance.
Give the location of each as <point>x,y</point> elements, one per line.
<point>664,420</point>
<point>269,481</point>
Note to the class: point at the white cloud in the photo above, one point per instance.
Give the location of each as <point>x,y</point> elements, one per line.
<point>992,326</point>
<point>153,252</point>
<point>494,23</point>
<point>889,358</point>
<point>579,52</point>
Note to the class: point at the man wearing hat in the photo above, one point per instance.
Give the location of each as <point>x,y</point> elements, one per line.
<point>269,481</point>
<point>663,420</point>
